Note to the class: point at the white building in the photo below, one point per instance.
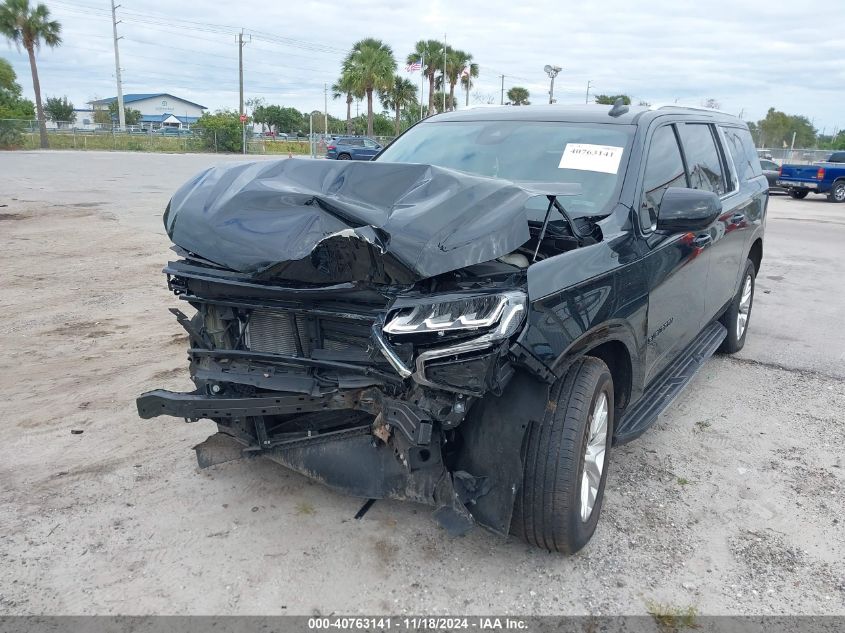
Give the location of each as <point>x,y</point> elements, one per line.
<point>158,110</point>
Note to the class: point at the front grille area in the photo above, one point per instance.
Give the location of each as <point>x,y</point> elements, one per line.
<point>292,334</point>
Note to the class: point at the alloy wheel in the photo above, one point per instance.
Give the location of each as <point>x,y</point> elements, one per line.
<point>839,192</point>
<point>744,308</point>
<point>594,455</point>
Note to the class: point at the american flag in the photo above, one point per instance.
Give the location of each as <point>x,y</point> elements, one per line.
<point>413,66</point>
<point>465,72</point>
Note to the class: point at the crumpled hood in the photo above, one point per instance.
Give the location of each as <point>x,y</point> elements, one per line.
<point>323,221</point>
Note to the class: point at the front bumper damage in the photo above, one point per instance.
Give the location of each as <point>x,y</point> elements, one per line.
<point>440,425</point>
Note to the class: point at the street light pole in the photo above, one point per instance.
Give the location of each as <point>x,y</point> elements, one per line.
<point>552,72</point>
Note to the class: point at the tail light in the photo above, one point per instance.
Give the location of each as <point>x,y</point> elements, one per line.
<point>332,147</point>
<point>820,174</point>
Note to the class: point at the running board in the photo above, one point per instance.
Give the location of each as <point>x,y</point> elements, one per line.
<point>672,380</point>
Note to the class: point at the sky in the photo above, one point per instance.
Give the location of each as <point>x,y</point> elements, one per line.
<point>748,55</point>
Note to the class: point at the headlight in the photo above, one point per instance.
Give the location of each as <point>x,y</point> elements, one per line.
<point>504,312</point>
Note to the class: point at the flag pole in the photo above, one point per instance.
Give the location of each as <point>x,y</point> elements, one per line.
<point>422,83</point>
<point>443,86</point>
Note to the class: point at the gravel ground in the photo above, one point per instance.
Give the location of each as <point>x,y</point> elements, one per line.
<point>732,504</point>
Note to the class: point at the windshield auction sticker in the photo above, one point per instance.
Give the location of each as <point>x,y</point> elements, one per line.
<point>586,157</point>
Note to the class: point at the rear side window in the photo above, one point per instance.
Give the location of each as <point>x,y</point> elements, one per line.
<point>664,168</point>
<point>745,157</point>
<point>837,157</point>
<point>703,162</point>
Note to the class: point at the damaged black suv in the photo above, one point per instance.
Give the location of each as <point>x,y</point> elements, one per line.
<point>474,318</point>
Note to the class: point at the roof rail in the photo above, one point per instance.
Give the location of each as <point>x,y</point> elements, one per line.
<point>662,106</point>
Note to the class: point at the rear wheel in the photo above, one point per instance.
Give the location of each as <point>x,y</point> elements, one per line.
<point>837,192</point>
<point>798,194</point>
<point>344,157</point>
<point>738,315</point>
<point>558,506</point>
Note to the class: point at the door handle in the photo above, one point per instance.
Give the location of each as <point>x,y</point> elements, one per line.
<point>736,218</point>
<point>702,240</point>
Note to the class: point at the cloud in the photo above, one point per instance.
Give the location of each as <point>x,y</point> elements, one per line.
<point>748,55</point>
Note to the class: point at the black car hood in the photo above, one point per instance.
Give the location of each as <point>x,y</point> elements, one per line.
<point>327,221</point>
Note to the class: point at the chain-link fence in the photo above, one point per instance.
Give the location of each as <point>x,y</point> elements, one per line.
<point>795,156</point>
<point>24,134</point>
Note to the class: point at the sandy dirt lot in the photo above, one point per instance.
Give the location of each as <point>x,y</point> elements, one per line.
<point>732,503</point>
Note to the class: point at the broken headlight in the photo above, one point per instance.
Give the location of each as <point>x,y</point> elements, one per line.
<point>501,312</point>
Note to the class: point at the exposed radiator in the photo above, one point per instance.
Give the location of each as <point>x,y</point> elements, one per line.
<point>278,333</point>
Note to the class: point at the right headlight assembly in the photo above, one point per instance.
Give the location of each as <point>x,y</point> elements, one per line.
<point>497,314</point>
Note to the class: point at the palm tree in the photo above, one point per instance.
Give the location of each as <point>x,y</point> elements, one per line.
<point>471,69</point>
<point>431,51</point>
<point>440,98</point>
<point>347,86</point>
<point>372,65</point>
<point>400,95</point>
<point>456,62</point>
<point>28,26</point>
<point>518,96</point>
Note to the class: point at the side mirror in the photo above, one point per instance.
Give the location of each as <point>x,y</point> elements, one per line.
<point>683,210</point>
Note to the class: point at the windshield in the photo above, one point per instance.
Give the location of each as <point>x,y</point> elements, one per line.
<point>593,155</point>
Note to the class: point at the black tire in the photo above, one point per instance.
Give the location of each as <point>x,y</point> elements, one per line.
<point>734,341</point>
<point>837,191</point>
<point>344,157</point>
<point>798,194</point>
<point>547,512</point>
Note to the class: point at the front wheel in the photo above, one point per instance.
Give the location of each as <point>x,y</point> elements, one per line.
<point>738,315</point>
<point>558,505</point>
<point>837,192</point>
<point>798,194</point>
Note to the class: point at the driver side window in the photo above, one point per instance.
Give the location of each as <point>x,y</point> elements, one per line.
<point>664,168</point>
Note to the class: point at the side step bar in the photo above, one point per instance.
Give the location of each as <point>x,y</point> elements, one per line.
<point>666,387</point>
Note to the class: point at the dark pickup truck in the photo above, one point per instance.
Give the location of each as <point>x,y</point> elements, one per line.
<point>827,177</point>
<point>474,319</point>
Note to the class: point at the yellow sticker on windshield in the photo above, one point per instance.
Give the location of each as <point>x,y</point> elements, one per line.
<point>587,157</point>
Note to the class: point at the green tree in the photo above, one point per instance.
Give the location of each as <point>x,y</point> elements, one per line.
<point>518,96</point>
<point>469,73</point>
<point>256,104</point>
<point>12,107</point>
<point>611,99</point>
<point>221,131</point>
<point>456,62</point>
<point>131,116</point>
<point>348,86</point>
<point>59,110</point>
<point>285,119</point>
<point>401,95</point>
<point>372,64</point>
<point>12,104</point>
<point>430,52</point>
<point>777,128</point>
<point>439,97</point>
<point>28,27</point>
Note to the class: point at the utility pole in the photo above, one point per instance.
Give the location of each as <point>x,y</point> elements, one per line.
<point>587,98</point>
<point>121,113</point>
<point>502,100</point>
<point>241,69</point>
<point>445,54</point>
<point>241,44</point>
<point>326,108</point>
